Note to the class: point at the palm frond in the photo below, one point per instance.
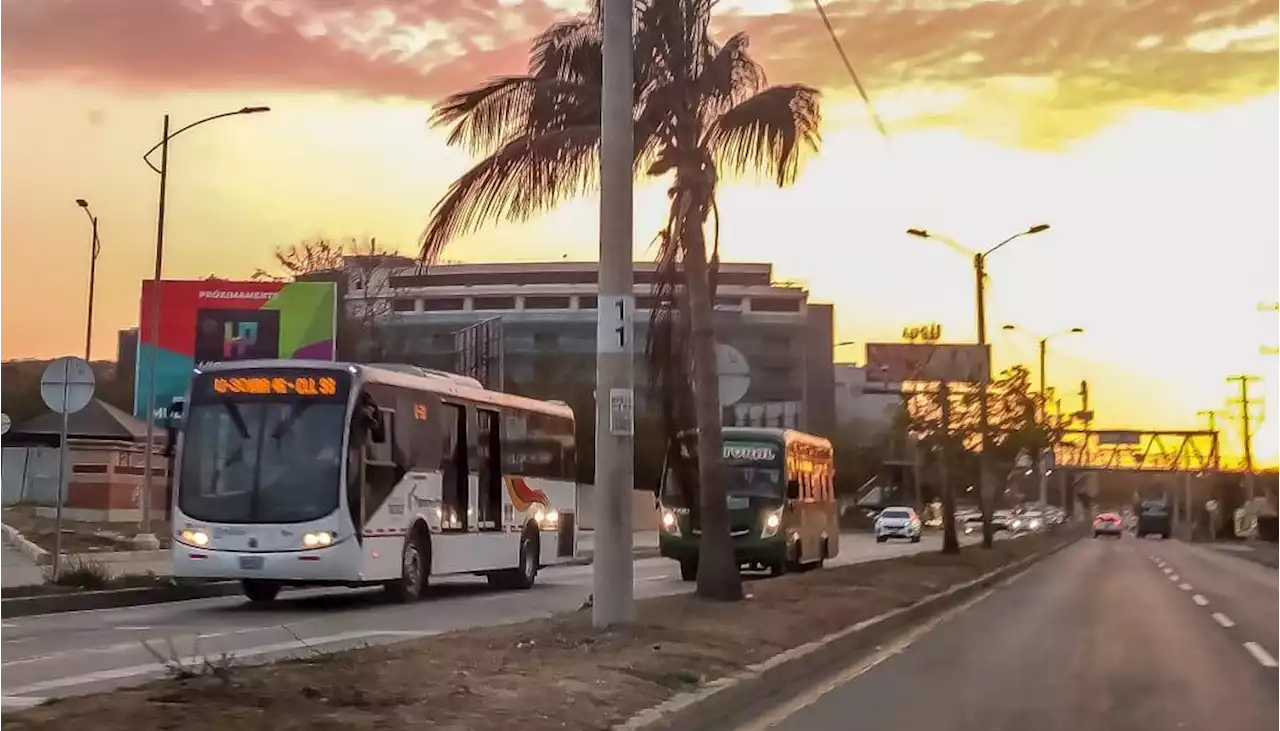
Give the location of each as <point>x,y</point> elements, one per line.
<point>530,174</point>
<point>768,133</point>
<point>570,50</point>
<point>485,117</point>
<point>729,76</point>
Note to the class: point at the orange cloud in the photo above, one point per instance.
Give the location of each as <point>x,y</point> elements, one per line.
<point>1034,73</point>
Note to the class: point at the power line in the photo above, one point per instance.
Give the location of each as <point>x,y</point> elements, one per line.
<point>848,66</point>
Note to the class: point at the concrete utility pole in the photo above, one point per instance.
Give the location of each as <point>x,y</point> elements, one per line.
<point>1246,430</point>
<point>612,569</point>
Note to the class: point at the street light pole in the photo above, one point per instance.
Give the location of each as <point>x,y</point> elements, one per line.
<point>984,415</point>
<point>148,474</point>
<point>95,248</point>
<point>612,568</point>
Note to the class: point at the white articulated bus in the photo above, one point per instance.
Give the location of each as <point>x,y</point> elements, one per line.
<point>308,473</point>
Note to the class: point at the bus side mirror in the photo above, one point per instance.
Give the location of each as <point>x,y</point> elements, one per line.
<point>793,489</point>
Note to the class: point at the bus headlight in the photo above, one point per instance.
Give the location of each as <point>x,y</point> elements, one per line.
<point>195,537</point>
<point>319,539</point>
<point>669,523</point>
<point>772,521</point>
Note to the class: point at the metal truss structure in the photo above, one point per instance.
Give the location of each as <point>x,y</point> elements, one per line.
<point>1138,450</point>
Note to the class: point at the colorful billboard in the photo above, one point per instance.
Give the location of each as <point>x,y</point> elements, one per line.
<point>217,320</point>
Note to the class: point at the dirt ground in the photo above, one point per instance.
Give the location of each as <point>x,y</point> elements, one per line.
<point>547,674</point>
<point>77,536</point>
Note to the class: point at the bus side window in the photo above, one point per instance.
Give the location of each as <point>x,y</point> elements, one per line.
<point>355,451</point>
<point>383,467</point>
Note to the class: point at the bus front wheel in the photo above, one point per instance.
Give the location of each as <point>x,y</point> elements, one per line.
<point>526,573</point>
<point>259,591</point>
<point>689,570</point>
<point>413,572</point>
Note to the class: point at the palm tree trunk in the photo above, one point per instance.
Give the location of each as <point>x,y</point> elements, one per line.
<point>718,571</point>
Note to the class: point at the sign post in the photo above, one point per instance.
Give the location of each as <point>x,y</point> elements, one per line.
<point>66,387</point>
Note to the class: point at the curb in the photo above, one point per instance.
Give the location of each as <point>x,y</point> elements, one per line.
<point>585,559</point>
<point>716,701</point>
<point>25,547</point>
<point>29,606</point>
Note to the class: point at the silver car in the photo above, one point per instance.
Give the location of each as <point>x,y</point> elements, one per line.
<point>897,523</point>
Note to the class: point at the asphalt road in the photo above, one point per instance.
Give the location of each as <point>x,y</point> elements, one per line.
<point>1107,635</point>
<point>81,652</point>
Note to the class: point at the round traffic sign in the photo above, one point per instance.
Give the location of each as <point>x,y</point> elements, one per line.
<point>67,385</point>
<point>5,423</point>
<point>734,374</point>
<point>1211,506</point>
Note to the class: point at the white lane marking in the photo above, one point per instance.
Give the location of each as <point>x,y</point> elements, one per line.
<point>1200,600</point>
<point>1174,577</point>
<point>660,577</point>
<point>132,628</point>
<point>1262,656</point>
<point>136,644</point>
<point>6,625</point>
<point>1168,570</point>
<point>1185,586</point>
<point>152,668</point>
<point>1223,619</point>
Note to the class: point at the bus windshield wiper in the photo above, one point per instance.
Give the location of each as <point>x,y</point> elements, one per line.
<point>236,418</point>
<point>283,427</point>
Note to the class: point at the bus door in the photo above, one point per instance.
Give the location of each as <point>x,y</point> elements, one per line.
<point>489,473</point>
<point>454,469</point>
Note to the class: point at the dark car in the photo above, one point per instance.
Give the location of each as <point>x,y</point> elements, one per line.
<point>1154,519</point>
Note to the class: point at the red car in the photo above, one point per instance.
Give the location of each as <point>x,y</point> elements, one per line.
<point>1108,524</point>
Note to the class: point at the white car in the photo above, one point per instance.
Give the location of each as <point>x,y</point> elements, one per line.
<point>897,523</point>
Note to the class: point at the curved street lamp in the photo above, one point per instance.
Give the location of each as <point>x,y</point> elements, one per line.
<point>95,248</point>
<point>1044,347</point>
<point>163,145</point>
<point>980,276</point>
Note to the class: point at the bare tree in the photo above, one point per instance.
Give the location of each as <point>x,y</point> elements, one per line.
<point>362,270</point>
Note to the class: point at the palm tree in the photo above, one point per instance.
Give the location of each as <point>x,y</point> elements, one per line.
<point>702,110</point>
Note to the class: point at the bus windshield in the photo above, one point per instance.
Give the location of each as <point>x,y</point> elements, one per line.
<point>751,469</point>
<point>261,457</point>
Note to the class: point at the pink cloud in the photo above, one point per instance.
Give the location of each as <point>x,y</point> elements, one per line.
<point>1100,54</point>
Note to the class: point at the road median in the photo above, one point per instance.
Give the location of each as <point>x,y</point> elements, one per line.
<point>683,659</point>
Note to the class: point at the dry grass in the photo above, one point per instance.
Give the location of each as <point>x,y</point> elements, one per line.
<point>77,536</point>
<point>547,674</point>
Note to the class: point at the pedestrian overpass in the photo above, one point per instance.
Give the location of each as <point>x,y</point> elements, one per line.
<point>1138,450</point>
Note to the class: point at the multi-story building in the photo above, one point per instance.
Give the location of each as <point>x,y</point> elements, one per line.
<point>770,331</point>
<point>868,404</point>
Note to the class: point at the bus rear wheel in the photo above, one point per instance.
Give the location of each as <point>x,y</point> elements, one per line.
<point>259,591</point>
<point>526,573</point>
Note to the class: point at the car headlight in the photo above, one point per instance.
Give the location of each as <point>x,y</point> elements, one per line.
<point>772,521</point>
<point>319,539</point>
<point>669,523</point>
<point>1035,525</point>
<point>1016,524</point>
<point>195,537</point>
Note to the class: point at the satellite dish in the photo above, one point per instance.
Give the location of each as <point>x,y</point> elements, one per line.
<point>734,373</point>
<point>67,385</point>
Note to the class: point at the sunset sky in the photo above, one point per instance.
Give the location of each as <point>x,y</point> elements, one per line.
<point>1145,133</point>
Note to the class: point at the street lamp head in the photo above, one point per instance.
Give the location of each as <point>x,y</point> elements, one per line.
<point>918,232</point>
<point>1077,330</point>
<point>1009,328</point>
<point>254,110</point>
<point>82,202</point>
<point>1038,228</point>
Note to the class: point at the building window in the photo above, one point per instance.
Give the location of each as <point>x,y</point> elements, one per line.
<point>775,304</point>
<point>493,303</point>
<point>442,304</point>
<point>587,303</point>
<point>402,305</point>
<point>545,302</point>
<point>730,303</point>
